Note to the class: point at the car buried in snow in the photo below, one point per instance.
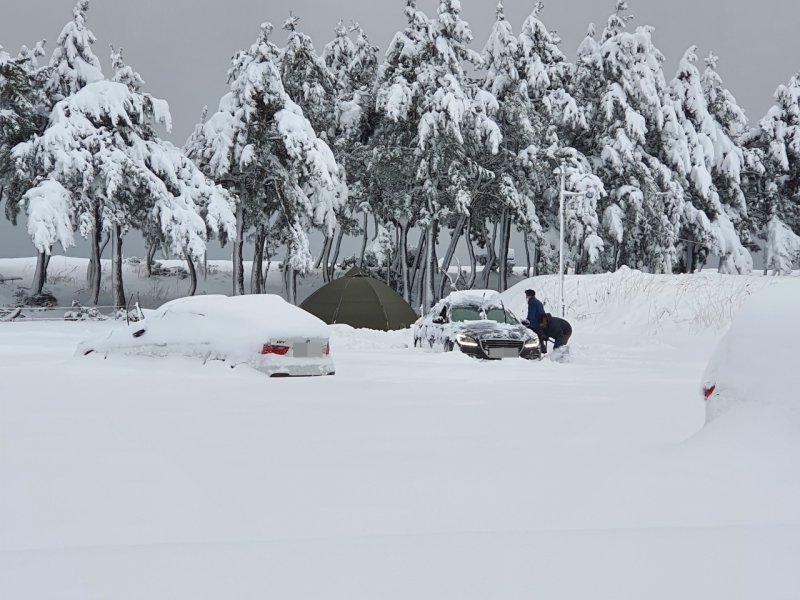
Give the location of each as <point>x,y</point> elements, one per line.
<point>262,331</point>
<point>743,372</point>
<point>478,324</point>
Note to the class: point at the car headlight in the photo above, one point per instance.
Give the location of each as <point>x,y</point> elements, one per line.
<point>532,343</point>
<point>466,341</point>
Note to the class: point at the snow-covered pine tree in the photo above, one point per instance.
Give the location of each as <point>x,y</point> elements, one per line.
<point>499,201</point>
<point>555,119</point>
<point>453,128</point>
<point>49,211</point>
<point>721,103</point>
<point>312,85</point>
<point>356,126</point>
<point>305,78</point>
<point>546,74</point>
<point>620,87</point>
<point>24,109</point>
<point>782,249</point>
<point>101,147</point>
<point>392,186</point>
<point>734,124</point>
<point>337,56</point>
<point>364,63</point>
<point>73,63</point>
<point>352,68</point>
<point>260,146</point>
<point>175,202</point>
<point>774,190</point>
<point>508,197</point>
<point>701,151</point>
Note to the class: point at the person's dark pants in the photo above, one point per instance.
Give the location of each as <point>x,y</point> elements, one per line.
<point>561,341</point>
<point>542,339</point>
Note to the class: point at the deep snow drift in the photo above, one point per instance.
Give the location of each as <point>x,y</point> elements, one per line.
<point>409,473</point>
<point>755,360</point>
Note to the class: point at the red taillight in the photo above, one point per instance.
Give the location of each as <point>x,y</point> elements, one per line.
<point>326,349</point>
<point>708,391</point>
<point>274,349</point>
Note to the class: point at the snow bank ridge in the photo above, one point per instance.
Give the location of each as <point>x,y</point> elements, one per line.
<point>628,297</point>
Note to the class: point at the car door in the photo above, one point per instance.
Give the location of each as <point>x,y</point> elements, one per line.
<point>439,318</point>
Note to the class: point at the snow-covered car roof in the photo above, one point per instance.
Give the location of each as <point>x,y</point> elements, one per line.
<point>474,298</point>
<point>755,360</point>
<point>273,313</point>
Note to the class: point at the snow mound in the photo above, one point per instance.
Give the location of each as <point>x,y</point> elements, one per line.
<point>349,338</point>
<point>755,361</point>
<point>642,301</point>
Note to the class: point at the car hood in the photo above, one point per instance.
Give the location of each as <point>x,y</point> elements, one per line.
<point>490,330</point>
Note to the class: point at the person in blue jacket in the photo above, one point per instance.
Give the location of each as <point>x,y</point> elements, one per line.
<point>535,314</point>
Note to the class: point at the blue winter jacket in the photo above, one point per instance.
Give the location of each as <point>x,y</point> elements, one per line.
<point>535,312</point>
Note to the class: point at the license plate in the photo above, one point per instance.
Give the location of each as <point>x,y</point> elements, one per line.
<point>300,350</point>
<point>503,353</point>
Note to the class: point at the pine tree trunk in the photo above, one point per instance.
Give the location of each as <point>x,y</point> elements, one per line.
<point>451,250</point>
<point>257,273</point>
<point>335,257</point>
<point>269,265</point>
<point>428,298</point>
<point>473,262</point>
<point>527,257</point>
<point>321,258</point>
<point>117,287</point>
<point>403,243</point>
<point>40,275</point>
<point>104,243</point>
<point>291,285</point>
<point>95,270</point>
<point>151,255</point>
<point>325,259</point>
<point>394,269</point>
<point>192,273</point>
<point>434,264</point>
<point>490,255</point>
<point>502,253</point>
<point>364,241</point>
<point>238,245</point>
<point>418,261</point>
<point>421,288</point>
<point>326,262</point>
<point>505,238</point>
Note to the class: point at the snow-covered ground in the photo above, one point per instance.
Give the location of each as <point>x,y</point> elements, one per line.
<point>409,474</point>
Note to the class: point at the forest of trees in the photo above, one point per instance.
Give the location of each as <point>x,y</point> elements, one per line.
<point>439,135</point>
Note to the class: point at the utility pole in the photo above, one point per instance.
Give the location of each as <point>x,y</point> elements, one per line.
<point>561,238</point>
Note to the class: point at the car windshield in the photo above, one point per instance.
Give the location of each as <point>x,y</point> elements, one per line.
<point>473,313</point>
<point>465,313</point>
<point>500,315</point>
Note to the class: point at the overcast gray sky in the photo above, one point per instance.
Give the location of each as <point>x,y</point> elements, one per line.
<point>182,48</point>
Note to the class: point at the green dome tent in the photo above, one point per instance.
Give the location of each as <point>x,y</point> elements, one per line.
<point>358,300</point>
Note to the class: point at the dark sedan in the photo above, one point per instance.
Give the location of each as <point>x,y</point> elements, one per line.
<point>476,323</point>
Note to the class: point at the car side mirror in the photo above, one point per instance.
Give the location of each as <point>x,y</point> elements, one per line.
<point>438,320</point>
